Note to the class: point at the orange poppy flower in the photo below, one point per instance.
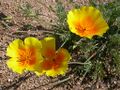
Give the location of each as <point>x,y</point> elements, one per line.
<point>55,62</point>
<point>87,22</point>
<point>24,55</point>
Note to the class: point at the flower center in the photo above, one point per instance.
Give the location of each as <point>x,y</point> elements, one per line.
<point>49,53</point>
<point>27,56</point>
<point>58,60</point>
<point>86,26</point>
<point>80,28</point>
<point>54,62</point>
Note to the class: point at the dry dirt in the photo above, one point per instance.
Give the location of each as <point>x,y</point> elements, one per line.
<point>29,81</point>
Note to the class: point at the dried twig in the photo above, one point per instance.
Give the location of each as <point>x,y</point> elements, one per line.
<point>77,63</point>
<point>59,82</point>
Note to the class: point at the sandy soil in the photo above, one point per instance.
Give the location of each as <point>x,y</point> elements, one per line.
<point>29,81</point>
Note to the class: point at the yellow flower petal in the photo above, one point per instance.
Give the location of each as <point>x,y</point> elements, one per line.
<point>66,54</point>
<point>86,24</point>
<point>39,73</point>
<point>48,47</point>
<point>60,71</point>
<point>15,66</point>
<point>12,50</point>
<point>32,42</point>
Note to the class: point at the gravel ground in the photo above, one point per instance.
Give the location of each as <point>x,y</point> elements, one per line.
<point>29,81</point>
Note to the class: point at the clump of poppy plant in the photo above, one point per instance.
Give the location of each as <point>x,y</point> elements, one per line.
<point>39,56</point>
